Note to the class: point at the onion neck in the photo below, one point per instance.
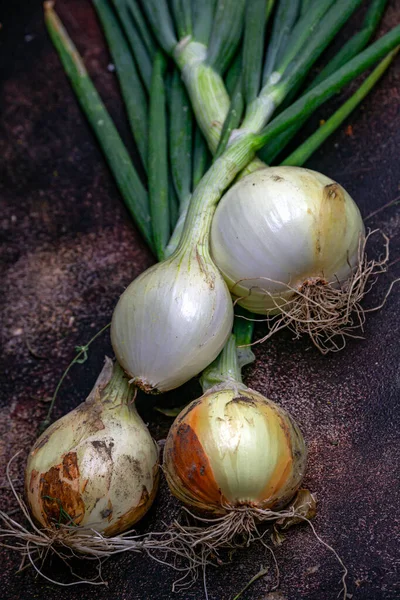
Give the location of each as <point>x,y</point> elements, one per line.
<point>196,232</point>
<point>206,89</point>
<point>224,369</point>
<point>118,390</point>
<point>227,367</point>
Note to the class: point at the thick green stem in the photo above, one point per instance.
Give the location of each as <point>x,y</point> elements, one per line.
<point>224,368</point>
<point>209,98</point>
<point>303,152</point>
<point>117,156</point>
<point>210,189</point>
<point>158,159</point>
<point>325,90</point>
<point>131,86</point>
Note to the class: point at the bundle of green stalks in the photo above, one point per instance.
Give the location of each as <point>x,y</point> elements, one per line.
<point>214,92</point>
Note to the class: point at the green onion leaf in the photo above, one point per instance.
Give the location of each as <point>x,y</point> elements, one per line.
<point>253,48</point>
<point>182,10</point>
<point>158,158</point>
<point>303,152</point>
<point>119,161</point>
<point>132,90</point>
<point>139,51</point>
<point>180,131</point>
<point>158,15</point>
<point>226,33</point>
<point>232,118</point>
<point>303,107</point>
<point>357,42</point>
<point>203,16</point>
<point>142,27</point>
<point>284,20</point>
<point>201,158</point>
<point>302,31</point>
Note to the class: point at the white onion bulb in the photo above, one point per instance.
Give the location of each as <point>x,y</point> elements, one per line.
<point>172,321</point>
<point>96,467</point>
<point>280,228</point>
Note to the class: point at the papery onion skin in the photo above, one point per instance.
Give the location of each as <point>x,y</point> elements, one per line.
<point>234,448</point>
<point>172,321</point>
<point>280,227</point>
<point>95,467</point>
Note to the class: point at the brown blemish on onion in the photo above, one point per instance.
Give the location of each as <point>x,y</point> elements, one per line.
<point>204,268</point>
<point>136,513</point>
<point>32,480</point>
<point>242,400</point>
<point>107,513</point>
<point>191,466</point>
<point>59,489</point>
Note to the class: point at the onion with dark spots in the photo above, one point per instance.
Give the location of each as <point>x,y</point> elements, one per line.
<point>97,466</point>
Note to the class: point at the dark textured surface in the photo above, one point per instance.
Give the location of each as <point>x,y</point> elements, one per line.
<point>69,249</point>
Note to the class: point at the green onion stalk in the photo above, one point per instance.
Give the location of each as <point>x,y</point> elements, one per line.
<point>188,279</point>
<point>203,61</point>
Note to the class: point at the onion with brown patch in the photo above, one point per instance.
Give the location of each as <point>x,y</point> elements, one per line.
<point>235,458</point>
<point>234,448</point>
<point>97,466</point>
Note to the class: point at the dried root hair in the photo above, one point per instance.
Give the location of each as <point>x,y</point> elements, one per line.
<point>329,313</point>
<point>240,527</point>
<point>68,541</point>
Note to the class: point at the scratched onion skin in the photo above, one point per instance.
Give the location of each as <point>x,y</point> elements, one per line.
<point>97,466</point>
<point>234,448</point>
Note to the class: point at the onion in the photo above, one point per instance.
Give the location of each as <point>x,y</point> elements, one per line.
<point>232,448</point>
<point>96,467</point>
<point>172,321</point>
<point>289,241</point>
<point>236,460</point>
<point>235,456</point>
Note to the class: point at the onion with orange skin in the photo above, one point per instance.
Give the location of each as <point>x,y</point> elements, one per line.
<point>234,448</point>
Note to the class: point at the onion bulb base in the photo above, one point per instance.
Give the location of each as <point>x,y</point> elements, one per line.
<point>67,542</point>
<point>329,314</point>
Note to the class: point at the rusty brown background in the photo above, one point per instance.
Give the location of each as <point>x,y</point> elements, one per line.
<point>69,249</point>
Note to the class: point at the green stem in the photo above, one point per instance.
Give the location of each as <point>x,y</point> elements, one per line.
<point>281,85</point>
<point>142,56</point>
<point>196,231</point>
<point>180,138</point>
<point>158,159</point>
<point>305,28</point>
<point>159,17</point>
<point>203,16</point>
<point>233,118</point>
<point>119,161</point>
<point>253,48</point>
<point>325,90</point>
<point>131,86</point>
<point>284,20</point>
<point>303,152</point>
<point>141,26</point>
<point>346,53</point>
<point>356,43</point>
<point>224,368</point>
<point>226,33</point>
<point>201,157</point>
